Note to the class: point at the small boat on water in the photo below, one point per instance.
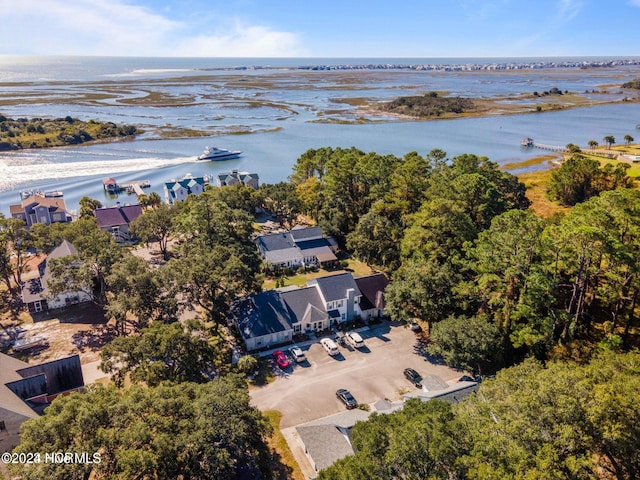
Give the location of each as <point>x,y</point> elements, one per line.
<point>215,153</point>
<point>29,193</point>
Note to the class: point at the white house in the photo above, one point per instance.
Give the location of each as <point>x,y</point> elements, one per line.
<point>272,318</point>
<point>179,190</point>
<point>35,291</point>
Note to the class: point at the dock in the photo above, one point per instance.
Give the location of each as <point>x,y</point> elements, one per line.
<point>601,152</point>
<point>530,143</point>
<point>136,186</point>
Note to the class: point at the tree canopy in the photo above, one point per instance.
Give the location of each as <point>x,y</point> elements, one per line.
<point>533,421</point>
<point>185,430</point>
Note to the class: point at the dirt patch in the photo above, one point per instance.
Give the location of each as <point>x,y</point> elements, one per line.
<point>81,329</point>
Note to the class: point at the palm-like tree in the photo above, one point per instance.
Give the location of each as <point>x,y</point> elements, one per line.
<point>609,140</point>
<point>592,144</point>
<point>628,139</point>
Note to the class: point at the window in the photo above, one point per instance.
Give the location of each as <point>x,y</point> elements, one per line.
<point>3,427</point>
<point>297,328</point>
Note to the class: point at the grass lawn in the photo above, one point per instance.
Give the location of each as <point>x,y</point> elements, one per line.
<point>356,267</point>
<point>287,467</point>
<point>536,182</point>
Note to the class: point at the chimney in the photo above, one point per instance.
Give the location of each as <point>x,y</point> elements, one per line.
<point>350,302</point>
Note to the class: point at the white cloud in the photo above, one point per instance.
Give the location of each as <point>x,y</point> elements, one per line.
<point>634,3</point>
<point>569,9</point>
<point>115,27</point>
<point>241,40</point>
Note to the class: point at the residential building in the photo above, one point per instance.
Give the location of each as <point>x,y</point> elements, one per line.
<point>40,209</point>
<point>372,302</point>
<point>116,220</point>
<point>25,390</point>
<point>298,247</point>
<point>328,440</point>
<point>234,177</point>
<point>35,291</point>
<point>273,317</point>
<point>179,190</point>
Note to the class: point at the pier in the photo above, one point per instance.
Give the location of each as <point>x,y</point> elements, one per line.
<point>136,186</point>
<point>530,143</point>
<point>600,152</point>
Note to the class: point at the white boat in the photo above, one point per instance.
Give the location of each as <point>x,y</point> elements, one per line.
<point>24,194</point>
<point>28,343</point>
<point>215,153</point>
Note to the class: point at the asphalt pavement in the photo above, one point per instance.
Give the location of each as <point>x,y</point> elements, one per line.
<point>306,391</point>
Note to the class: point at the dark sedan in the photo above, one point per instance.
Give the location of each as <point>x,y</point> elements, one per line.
<point>413,376</point>
<point>347,398</point>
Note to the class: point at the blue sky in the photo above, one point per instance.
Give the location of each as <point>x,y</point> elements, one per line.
<point>321,28</point>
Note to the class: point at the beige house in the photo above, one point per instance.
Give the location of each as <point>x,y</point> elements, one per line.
<point>40,209</point>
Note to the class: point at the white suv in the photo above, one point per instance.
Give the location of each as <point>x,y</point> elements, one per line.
<point>355,339</point>
<point>297,354</point>
<point>330,346</point>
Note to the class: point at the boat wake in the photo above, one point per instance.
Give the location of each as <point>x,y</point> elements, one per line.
<point>19,171</point>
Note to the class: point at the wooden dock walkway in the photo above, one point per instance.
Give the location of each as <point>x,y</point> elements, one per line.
<point>135,186</point>
<point>553,148</point>
<point>530,143</point>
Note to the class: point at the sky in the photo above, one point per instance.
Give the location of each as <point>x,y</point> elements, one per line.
<point>321,28</point>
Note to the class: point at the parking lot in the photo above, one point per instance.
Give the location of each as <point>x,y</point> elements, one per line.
<point>306,391</point>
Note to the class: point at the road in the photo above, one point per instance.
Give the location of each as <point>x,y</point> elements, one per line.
<point>306,391</point>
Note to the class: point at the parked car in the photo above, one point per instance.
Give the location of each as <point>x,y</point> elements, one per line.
<point>413,376</point>
<point>297,354</point>
<point>346,398</point>
<point>355,339</point>
<point>340,338</point>
<point>281,359</point>
<point>330,346</point>
<point>415,327</point>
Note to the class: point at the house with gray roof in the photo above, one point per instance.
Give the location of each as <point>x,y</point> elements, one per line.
<point>25,390</point>
<point>177,190</point>
<point>272,318</point>
<point>116,220</point>
<point>297,248</point>
<point>235,177</point>
<point>35,291</point>
<point>329,439</point>
<point>340,295</point>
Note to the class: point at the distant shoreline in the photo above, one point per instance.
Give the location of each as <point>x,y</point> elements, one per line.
<point>446,67</point>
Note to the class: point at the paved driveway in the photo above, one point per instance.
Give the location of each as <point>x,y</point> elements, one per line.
<point>306,391</point>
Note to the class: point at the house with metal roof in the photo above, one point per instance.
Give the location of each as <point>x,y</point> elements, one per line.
<point>297,248</point>
<point>116,220</point>
<point>25,390</point>
<point>177,190</point>
<point>35,291</point>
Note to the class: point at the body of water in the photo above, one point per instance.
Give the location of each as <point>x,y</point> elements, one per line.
<point>282,111</point>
